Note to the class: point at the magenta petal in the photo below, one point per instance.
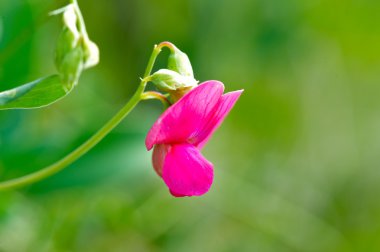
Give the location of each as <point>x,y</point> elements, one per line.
<point>185,118</point>
<point>225,105</point>
<point>186,172</point>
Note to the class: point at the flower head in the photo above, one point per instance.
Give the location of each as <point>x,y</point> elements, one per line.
<point>182,130</point>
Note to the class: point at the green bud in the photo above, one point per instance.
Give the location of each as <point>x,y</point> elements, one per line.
<point>69,52</point>
<point>71,67</point>
<point>67,41</point>
<point>75,51</point>
<point>169,81</point>
<point>179,62</point>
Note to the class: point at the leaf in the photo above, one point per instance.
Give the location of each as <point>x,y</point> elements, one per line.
<point>38,93</point>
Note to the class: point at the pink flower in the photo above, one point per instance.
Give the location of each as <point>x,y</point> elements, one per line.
<point>180,133</point>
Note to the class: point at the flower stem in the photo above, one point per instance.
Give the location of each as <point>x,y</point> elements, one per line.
<point>158,96</point>
<point>91,142</point>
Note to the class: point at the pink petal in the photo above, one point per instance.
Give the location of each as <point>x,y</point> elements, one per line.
<point>186,172</point>
<point>186,117</point>
<point>225,105</point>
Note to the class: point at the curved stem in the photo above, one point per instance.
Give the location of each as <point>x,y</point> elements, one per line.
<point>91,142</point>
<point>169,45</point>
<point>77,153</point>
<point>156,95</point>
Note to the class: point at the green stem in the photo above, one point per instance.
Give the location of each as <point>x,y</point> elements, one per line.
<point>158,96</point>
<point>90,143</point>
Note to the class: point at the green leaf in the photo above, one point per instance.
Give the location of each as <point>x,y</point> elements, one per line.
<point>38,93</point>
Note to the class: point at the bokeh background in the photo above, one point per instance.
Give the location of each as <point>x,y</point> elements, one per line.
<point>296,162</point>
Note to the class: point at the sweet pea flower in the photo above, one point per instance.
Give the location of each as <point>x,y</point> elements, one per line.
<point>180,133</point>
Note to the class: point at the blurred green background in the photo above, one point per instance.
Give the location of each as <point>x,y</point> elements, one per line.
<point>296,162</point>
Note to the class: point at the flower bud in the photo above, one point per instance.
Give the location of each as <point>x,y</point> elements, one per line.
<point>169,81</point>
<point>71,67</point>
<point>74,51</point>
<point>67,41</point>
<point>179,62</point>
